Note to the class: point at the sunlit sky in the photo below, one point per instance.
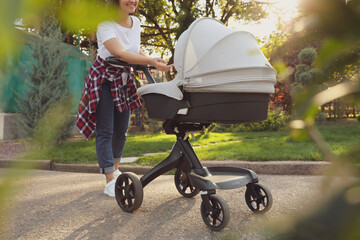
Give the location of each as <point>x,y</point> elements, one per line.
<point>288,10</point>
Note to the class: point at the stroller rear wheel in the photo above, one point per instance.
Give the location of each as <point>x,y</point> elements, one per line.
<point>215,212</point>
<point>258,198</point>
<point>183,185</point>
<point>128,192</point>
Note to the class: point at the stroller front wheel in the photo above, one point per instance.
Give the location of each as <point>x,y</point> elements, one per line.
<point>258,198</point>
<point>128,192</point>
<point>183,185</point>
<point>215,212</point>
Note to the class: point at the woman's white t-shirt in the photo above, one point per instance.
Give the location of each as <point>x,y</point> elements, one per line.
<point>129,37</point>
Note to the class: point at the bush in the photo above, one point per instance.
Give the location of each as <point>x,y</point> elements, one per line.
<point>321,117</point>
<point>307,56</point>
<point>274,122</point>
<point>302,68</point>
<point>304,74</point>
<point>296,88</point>
<point>299,69</point>
<point>152,126</point>
<point>358,118</point>
<point>305,78</point>
<point>46,84</point>
<point>315,73</point>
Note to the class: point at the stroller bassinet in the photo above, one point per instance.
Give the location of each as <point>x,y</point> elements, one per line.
<point>222,77</point>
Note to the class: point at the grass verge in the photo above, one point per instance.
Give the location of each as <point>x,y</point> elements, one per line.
<point>250,146</point>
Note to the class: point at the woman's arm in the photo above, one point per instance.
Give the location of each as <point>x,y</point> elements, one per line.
<point>141,52</point>
<point>116,49</point>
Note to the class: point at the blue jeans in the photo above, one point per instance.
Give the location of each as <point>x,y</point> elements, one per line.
<point>111,129</point>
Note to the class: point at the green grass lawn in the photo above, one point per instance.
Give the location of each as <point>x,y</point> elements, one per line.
<point>250,146</point>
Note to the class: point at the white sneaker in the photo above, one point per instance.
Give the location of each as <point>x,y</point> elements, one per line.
<point>116,173</point>
<point>110,188</point>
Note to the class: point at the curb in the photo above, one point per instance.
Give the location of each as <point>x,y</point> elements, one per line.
<point>30,164</point>
<point>89,168</point>
<point>269,167</point>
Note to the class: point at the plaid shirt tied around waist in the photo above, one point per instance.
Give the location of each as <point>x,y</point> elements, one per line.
<point>123,89</point>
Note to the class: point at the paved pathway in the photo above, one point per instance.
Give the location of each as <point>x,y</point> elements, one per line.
<point>62,205</point>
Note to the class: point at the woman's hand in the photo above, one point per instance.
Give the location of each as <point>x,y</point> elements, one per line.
<point>161,65</point>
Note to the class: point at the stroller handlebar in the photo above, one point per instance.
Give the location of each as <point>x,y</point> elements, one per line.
<point>116,61</point>
<point>138,67</point>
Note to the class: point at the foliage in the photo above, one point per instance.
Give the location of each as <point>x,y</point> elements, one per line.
<point>28,10</point>
<point>304,73</point>
<point>85,10</point>
<point>307,76</point>
<point>47,79</point>
<point>335,24</point>
<point>339,51</point>
<point>307,56</point>
<point>280,99</point>
<point>274,122</point>
<point>52,127</point>
<point>165,20</point>
<point>321,118</point>
<point>152,126</point>
<point>315,73</point>
<point>81,30</point>
<point>272,43</point>
<point>271,47</point>
<point>301,68</point>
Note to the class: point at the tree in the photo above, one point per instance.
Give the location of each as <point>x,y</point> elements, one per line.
<point>166,20</point>
<point>47,78</point>
<point>281,97</point>
<point>305,73</point>
<point>271,46</point>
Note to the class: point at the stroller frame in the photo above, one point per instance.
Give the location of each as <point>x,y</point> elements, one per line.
<point>191,175</point>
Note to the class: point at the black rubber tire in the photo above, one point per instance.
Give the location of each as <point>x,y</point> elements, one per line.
<point>129,192</point>
<point>183,185</point>
<point>262,202</point>
<point>219,216</point>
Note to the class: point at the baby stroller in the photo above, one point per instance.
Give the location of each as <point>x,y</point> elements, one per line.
<point>222,77</point>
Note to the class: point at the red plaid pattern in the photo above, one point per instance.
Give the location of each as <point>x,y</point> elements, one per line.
<point>123,93</point>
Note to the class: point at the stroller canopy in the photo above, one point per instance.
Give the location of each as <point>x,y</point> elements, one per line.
<point>211,57</point>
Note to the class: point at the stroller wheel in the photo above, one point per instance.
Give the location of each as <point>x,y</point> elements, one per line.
<point>128,192</point>
<point>258,198</point>
<point>215,213</point>
<point>183,185</point>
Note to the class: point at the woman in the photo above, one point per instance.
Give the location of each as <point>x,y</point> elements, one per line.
<point>109,95</point>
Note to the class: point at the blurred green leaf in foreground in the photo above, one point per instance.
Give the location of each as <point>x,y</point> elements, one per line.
<point>335,23</point>
<point>85,14</point>
<point>81,15</point>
